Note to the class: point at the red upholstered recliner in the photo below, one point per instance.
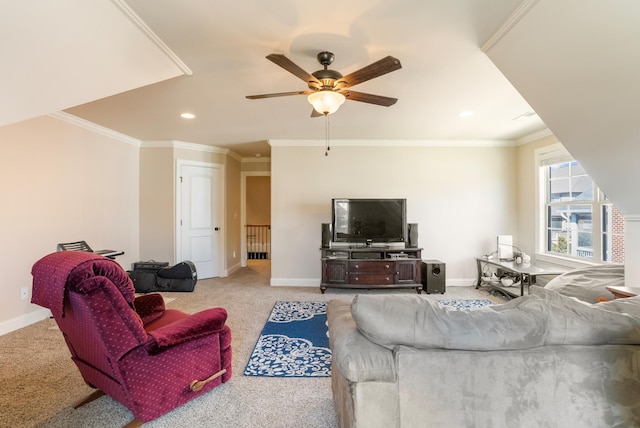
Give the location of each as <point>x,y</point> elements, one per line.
<point>149,358</point>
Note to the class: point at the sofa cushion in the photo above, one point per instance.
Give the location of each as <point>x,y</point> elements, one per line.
<point>542,318</point>
<point>575,322</point>
<point>590,283</point>
<point>422,323</point>
<point>353,355</point>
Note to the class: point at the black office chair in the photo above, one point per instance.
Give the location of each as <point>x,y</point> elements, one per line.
<point>83,246</point>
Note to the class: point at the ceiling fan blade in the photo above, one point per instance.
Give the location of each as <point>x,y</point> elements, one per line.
<point>277,94</point>
<point>378,68</point>
<point>315,113</point>
<point>369,98</point>
<point>291,67</point>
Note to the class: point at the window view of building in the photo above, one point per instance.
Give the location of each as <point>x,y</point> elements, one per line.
<point>580,222</point>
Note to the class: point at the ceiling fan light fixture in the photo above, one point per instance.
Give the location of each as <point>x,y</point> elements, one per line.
<point>326,102</point>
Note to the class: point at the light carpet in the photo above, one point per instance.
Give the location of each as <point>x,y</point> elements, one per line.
<point>39,383</point>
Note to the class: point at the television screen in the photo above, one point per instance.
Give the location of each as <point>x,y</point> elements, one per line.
<point>369,220</point>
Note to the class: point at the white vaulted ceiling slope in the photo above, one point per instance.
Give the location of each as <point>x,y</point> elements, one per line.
<point>59,54</point>
<point>577,63</point>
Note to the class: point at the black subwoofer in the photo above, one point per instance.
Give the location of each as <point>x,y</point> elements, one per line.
<point>433,276</point>
<point>326,235</point>
<point>412,235</point>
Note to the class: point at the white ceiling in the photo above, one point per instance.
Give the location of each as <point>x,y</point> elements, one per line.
<point>74,55</point>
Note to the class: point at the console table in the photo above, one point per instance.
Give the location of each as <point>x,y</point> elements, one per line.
<point>371,267</point>
<point>622,292</point>
<point>526,271</point>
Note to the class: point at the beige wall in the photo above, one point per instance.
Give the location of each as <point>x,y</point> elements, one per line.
<point>158,178</point>
<point>157,204</point>
<point>256,165</point>
<point>60,183</point>
<point>528,192</point>
<point>233,215</point>
<point>461,197</point>
<point>258,200</point>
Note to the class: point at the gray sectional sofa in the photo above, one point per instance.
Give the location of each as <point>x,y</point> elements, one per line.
<point>542,360</point>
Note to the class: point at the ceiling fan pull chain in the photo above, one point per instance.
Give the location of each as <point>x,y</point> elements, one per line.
<point>326,132</point>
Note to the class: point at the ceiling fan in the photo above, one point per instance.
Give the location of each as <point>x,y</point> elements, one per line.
<point>328,89</point>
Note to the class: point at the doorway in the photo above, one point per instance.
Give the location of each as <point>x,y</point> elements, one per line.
<point>199,214</point>
<point>256,216</point>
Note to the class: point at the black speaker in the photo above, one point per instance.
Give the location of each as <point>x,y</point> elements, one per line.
<point>412,235</point>
<point>326,235</point>
<point>433,276</point>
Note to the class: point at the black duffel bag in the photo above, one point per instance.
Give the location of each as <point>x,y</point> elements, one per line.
<point>144,281</point>
<point>179,277</point>
<point>153,276</point>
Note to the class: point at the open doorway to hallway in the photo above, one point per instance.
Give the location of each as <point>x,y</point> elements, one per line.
<point>262,268</point>
<point>257,225</point>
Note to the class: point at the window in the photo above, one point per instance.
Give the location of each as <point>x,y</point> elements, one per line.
<point>579,220</point>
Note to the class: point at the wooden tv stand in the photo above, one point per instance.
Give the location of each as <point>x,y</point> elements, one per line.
<point>371,267</point>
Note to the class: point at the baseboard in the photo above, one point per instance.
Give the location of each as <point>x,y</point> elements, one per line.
<point>461,282</point>
<point>315,282</point>
<point>21,321</point>
<point>295,282</point>
<point>232,269</point>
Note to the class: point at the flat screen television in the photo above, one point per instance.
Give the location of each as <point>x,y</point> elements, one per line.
<point>369,220</point>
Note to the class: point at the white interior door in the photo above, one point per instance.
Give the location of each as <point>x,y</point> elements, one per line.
<point>199,218</point>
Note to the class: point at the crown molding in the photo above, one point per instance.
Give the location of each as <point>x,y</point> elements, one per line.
<point>392,143</point>
<point>535,136</point>
<point>234,155</point>
<point>511,22</point>
<point>256,160</point>
<point>90,126</point>
<point>173,144</point>
<point>199,147</point>
<point>142,26</point>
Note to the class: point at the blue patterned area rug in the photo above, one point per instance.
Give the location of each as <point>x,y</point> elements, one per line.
<point>295,341</point>
<point>466,304</point>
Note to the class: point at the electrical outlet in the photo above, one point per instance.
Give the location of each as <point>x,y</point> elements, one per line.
<point>234,254</point>
<point>24,293</point>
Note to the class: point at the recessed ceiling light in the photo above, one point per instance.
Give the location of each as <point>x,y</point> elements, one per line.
<point>187,115</point>
<point>465,114</point>
<point>524,115</point>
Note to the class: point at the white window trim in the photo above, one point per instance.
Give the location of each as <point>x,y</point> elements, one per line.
<point>548,155</point>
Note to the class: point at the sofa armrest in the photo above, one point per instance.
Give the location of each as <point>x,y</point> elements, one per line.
<point>149,307</point>
<point>197,325</point>
<point>353,355</point>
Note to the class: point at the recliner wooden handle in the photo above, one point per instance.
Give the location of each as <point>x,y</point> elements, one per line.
<point>197,385</point>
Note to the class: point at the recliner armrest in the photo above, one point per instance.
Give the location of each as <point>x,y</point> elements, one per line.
<point>149,307</point>
<point>197,325</point>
